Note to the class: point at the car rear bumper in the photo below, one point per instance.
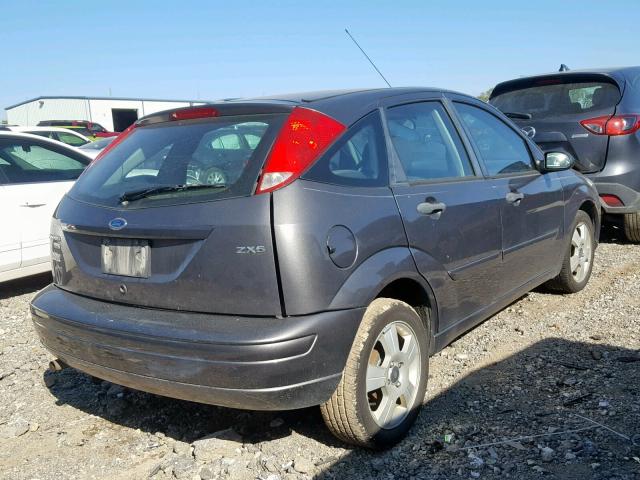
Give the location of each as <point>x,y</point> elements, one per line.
<point>629,197</point>
<point>260,363</point>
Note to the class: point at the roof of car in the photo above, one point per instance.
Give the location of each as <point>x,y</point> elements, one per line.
<point>16,128</point>
<point>344,105</point>
<point>28,136</point>
<point>320,95</point>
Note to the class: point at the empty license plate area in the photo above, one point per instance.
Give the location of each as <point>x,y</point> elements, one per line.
<point>127,257</point>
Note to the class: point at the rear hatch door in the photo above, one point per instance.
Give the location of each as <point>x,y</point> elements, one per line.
<point>167,219</point>
<point>549,109</point>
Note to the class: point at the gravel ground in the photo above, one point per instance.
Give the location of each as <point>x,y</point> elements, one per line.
<point>548,388</point>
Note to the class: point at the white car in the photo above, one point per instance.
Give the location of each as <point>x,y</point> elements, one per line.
<point>35,173</point>
<point>64,135</point>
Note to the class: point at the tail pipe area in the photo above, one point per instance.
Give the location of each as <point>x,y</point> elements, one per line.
<point>57,365</point>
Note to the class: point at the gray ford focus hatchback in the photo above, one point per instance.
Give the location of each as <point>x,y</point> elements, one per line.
<point>310,249</point>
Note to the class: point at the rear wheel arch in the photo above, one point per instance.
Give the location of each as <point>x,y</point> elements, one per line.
<point>418,295</point>
<point>591,209</point>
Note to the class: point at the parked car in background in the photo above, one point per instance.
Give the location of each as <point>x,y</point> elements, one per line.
<point>35,173</point>
<point>594,115</point>
<point>93,149</point>
<point>354,235</point>
<point>63,135</point>
<point>95,129</point>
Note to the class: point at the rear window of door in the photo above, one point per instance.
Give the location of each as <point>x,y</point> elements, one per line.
<point>501,149</point>
<point>26,162</point>
<point>358,159</point>
<point>427,143</point>
<point>547,101</point>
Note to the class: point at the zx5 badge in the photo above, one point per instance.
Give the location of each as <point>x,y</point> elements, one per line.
<point>251,249</point>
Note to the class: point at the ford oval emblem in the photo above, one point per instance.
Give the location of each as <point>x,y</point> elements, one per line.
<point>117,223</point>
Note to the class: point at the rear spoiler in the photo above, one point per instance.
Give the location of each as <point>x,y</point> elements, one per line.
<point>221,109</point>
<point>557,78</point>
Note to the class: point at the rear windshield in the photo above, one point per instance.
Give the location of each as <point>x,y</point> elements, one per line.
<point>221,156</point>
<point>544,101</point>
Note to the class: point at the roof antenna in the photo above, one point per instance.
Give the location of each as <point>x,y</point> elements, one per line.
<point>365,54</point>
<point>563,68</point>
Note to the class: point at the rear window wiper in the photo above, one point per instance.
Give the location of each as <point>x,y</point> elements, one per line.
<point>147,192</point>
<point>518,115</point>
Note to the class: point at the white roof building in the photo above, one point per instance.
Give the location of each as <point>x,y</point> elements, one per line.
<point>113,113</point>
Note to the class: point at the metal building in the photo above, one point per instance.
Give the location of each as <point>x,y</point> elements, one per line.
<point>113,113</point>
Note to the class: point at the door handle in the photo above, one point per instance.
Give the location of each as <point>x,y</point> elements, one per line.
<point>33,205</point>
<point>514,198</point>
<point>431,208</point>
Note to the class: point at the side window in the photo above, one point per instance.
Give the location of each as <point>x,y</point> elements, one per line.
<point>28,163</point>
<point>358,159</point>
<point>70,139</point>
<point>230,141</point>
<point>252,140</point>
<point>427,143</point>
<point>501,149</point>
<point>42,133</point>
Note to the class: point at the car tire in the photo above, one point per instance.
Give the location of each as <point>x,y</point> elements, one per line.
<point>398,369</point>
<point>632,227</point>
<point>577,263</point>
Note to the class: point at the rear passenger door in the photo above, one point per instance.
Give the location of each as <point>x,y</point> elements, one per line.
<point>10,255</point>
<point>450,213</point>
<point>531,203</point>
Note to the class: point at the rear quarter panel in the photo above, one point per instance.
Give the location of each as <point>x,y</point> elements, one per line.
<point>304,214</point>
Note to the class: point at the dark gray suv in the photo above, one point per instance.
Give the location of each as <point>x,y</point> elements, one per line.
<point>593,115</point>
<point>354,234</point>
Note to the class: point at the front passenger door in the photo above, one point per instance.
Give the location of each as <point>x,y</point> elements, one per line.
<point>450,213</point>
<point>532,203</point>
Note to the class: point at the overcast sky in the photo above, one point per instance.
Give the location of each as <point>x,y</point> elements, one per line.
<point>210,49</point>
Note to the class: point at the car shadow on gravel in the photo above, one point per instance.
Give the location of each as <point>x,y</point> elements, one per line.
<point>530,415</point>
<point>553,391</point>
<point>22,286</point>
<point>177,419</point>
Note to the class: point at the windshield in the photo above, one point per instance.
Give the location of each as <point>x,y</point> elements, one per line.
<point>227,152</point>
<point>546,101</point>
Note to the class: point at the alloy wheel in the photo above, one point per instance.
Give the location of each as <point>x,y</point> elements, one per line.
<point>580,259</point>
<point>393,374</point>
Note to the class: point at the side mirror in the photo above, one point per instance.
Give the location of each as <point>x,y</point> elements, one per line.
<point>556,161</point>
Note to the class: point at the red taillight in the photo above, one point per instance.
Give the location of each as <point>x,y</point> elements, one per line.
<point>613,125</point>
<point>305,135</point>
<point>124,134</point>
<point>193,113</point>
<point>623,124</point>
<point>612,200</point>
